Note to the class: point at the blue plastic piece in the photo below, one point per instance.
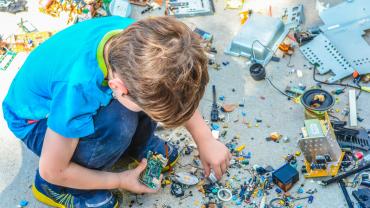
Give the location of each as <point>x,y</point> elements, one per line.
<point>23,203</point>
<point>310,199</point>
<point>249,155</point>
<point>260,193</point>
<point>215,126</point>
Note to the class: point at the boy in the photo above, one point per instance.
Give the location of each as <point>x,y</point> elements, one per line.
<point>93,93</point>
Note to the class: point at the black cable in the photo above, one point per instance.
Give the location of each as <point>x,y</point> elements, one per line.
<point>283,93</point>
<point>331,115</point>
<point>327,83</point>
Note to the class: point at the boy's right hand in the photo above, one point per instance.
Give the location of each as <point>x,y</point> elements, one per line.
<point>129,180</point>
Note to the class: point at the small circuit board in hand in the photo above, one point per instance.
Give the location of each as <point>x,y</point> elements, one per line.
<point>150,176</point>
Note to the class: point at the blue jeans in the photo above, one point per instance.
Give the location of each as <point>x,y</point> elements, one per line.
<point>118,132</point>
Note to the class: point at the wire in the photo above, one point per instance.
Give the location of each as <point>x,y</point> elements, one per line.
<point>331,115</point>
<point>252,49</point>
<point>327,83</point>
<point>276,88</point>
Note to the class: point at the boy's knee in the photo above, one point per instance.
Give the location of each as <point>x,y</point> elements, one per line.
<point>114,128</point>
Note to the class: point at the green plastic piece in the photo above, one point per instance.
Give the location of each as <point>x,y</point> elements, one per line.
<point>6,59</point>
<point>245,162</point>
<point>150,176</point>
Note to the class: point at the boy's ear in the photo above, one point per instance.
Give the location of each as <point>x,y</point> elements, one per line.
<point>118,86</point>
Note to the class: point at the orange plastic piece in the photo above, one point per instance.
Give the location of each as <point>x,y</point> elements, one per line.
<point>355,74</point>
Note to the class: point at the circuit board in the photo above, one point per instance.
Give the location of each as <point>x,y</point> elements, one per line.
<point>150,176</point>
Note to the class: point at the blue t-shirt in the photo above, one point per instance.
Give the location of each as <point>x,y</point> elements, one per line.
<point>61,80</point>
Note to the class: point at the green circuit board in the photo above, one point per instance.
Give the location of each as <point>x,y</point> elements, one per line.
<point>150,176</point>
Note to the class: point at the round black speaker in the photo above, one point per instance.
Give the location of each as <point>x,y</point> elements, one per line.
<point>257,71</point>
<point>307,100</point>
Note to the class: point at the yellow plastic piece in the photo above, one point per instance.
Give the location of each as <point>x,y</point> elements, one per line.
<point>240,148</point>
<point>240,158</point>
<point>366,89</point>
<point>244,15</point>
<point>297,153</point>
<point>167,182</point>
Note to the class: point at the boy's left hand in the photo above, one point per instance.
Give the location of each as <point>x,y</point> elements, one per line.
<point>216,156</point>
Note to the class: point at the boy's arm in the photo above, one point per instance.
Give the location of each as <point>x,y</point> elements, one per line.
<point>213,154</point>
<point>56,167</point>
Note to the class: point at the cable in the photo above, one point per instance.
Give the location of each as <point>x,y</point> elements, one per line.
<point>252,49</point>
<point>283,93</point>
<point>331,115</point>
<point>327,83</point>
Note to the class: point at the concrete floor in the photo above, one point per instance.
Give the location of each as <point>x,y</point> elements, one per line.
<point>17,164</point>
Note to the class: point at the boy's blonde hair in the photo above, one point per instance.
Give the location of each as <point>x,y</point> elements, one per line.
<point>163,66</point>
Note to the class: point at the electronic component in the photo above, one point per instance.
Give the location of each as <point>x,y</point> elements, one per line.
<point>363,197</point>
<point>150,176</point>
<point>190,8</point>
<point>346,174</point>
<point>177,190</point>
<point>353,138</point>
<point>285,177</point>
<point>214,111</point>
<point>320,148</point>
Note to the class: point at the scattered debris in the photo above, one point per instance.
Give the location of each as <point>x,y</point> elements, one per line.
<point>13,6</point>
<point>190,8</point>
<point>27,42</point>
<point>75,10</point>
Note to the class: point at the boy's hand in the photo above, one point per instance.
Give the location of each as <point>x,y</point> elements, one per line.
<point>215,155</point>
<point>130,180</point>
